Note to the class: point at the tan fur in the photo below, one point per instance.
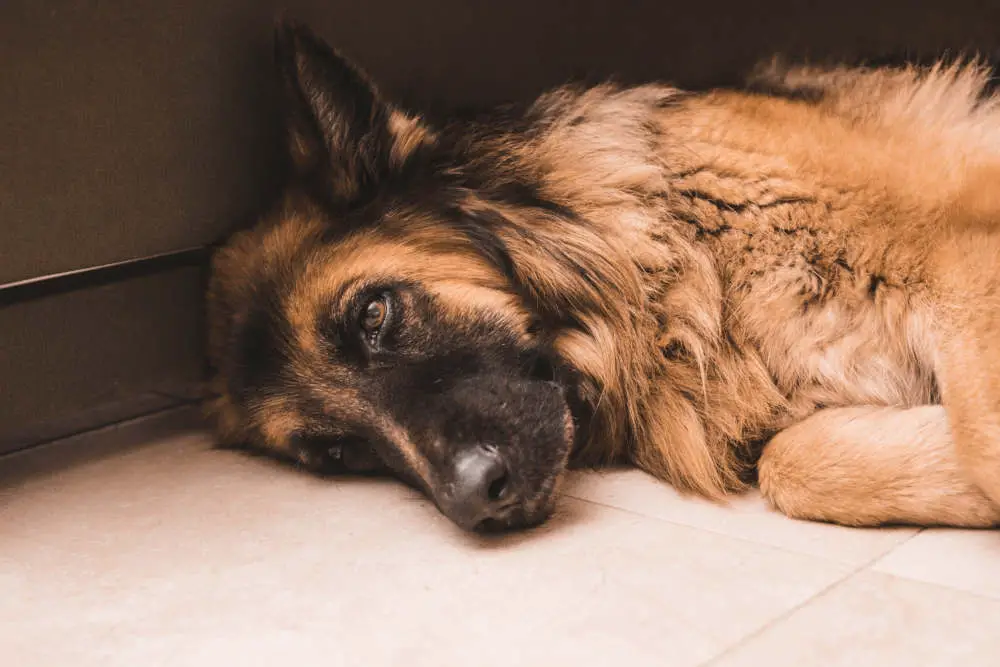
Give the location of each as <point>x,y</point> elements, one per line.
<point>749,264</point>
<point>872,465</point>
<point>790,250</point>
<point>408,133</point>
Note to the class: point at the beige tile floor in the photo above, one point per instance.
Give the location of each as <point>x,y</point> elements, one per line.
<point>141,545</point>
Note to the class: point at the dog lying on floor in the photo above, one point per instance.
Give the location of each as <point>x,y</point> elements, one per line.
<point>796,284</point>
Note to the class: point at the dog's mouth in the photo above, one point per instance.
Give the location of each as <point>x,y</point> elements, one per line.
<point>328,456</point>
<point>517,521</point>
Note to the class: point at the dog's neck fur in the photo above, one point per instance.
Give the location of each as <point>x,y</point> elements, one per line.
<point>661,363</point>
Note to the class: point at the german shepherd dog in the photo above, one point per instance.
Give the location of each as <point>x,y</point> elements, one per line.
<point>795,284</point>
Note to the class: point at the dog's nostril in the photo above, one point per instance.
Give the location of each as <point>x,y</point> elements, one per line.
<point>482,487</point>
<point>497,487</point>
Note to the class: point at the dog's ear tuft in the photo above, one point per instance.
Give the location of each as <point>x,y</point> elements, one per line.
<point>336,122</point>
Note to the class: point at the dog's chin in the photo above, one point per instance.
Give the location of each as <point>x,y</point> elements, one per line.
<point>518,519</point>
<point>501,526</point>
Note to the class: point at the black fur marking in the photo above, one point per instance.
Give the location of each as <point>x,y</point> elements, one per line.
<point>770,79</point>
<point>481,229</point>
<point>700,229</point>
<point>258,353</point>
<point>739,207</point>
<point>675,351</point>
<point>776,88</point>
<point>333,110</point>
<point>844,264</point>
<point>524,194</point>
<point>874,283</point>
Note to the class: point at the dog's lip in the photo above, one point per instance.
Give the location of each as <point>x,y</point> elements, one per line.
<point>502,515</point>
<point>514,518</point>
<point>498,526</point>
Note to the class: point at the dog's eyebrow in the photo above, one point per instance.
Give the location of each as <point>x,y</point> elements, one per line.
<point>365,284</point>
<point>350,290</point>
<point>302,312</point>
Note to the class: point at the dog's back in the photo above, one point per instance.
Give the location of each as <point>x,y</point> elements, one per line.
<point>781,241</point>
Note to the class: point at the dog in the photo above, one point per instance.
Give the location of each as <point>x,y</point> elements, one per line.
<point>795,284</point>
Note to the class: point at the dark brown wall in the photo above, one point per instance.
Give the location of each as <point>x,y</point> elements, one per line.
<point>133,128</point>
<point>98,354</point>
<point>129,127</point>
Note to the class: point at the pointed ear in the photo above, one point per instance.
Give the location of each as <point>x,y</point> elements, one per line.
<point>341,133</point>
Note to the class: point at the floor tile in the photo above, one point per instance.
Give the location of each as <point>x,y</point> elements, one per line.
<point>748,517</point>
<point>963,559</point>
<point>876,619</point>
<point>180,554</point>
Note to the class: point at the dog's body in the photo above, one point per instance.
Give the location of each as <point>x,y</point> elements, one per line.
<point>799,279</point>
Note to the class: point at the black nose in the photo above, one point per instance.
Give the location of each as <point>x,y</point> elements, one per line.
<point>480,488</point>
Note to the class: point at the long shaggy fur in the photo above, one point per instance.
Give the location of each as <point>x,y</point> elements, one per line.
<point>717,267</point>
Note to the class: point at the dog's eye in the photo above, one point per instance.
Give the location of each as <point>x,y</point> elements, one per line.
<point>374,316</point>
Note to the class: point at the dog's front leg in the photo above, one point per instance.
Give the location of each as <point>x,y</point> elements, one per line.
<point>869,466</point>
<point>965,284</point>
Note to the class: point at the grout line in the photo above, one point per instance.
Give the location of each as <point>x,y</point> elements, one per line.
<point>933,584</point>
<point>895,547</point>
<point>711,531</point>
<point>785,615</point>
<point>925,582</point>
<point>715,531</point>
<point>780,618</point>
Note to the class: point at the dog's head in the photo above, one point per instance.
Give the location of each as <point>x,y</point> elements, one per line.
<point>376,320</point>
